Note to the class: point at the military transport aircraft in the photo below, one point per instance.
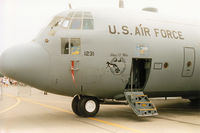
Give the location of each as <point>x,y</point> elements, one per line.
<point>93,55</point>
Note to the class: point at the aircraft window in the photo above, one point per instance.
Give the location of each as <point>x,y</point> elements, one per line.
<point>79,20</point>
<point>75,46</point>
<point>88,24</point>
<point>56,21</point>
<point>59,22</point>
<point>70,46</point>
<point>70,14</point>
<point>75,24</point>
<point>65,23</point>
<point>87,15</point>
<point>78,15</point>
<point>64,46</point>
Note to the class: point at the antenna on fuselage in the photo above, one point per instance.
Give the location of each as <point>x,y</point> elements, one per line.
<point>69,4</point>
<point>121,3</point>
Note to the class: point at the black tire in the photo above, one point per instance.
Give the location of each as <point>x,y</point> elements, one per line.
<point>91,112</point>
<point>195,101</point>
<point>75,108</point>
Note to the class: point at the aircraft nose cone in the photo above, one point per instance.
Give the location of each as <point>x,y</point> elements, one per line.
<point>4,65</point>
<point>10,61</point>
<point>26,63</point>
<point>1,63</point>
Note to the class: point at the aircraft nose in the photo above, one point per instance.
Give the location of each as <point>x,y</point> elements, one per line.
<point>5,67</point>
<point>26,63</point>
<point>1,63</point>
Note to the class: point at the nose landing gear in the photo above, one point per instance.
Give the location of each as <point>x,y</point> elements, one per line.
<point>85,106</point>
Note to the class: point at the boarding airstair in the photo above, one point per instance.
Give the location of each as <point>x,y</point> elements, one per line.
<point>140,103</point>
<point>134,92</point>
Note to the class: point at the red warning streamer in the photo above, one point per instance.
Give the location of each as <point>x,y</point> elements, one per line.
<point>72,71</point>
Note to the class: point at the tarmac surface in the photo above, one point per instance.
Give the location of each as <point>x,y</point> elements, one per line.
<point>27,110</point>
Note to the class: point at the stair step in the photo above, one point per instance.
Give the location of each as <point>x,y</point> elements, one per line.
<point>140,103</point>
<point>147,109</point>
<point>141,95</point>
<point>144,102</point>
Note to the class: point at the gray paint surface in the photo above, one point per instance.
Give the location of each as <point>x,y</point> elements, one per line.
<point>40,64</point>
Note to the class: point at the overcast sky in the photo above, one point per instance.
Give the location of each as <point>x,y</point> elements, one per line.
<point>21,20</point>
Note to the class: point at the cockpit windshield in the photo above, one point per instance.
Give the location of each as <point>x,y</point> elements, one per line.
<point>74,20</point>
<point>56,21</point>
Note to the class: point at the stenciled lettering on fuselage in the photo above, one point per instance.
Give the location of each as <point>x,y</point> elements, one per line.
<point>89,53</point>
<point>146,32</point>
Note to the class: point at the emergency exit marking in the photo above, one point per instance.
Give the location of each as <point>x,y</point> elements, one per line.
<point>158,66</point>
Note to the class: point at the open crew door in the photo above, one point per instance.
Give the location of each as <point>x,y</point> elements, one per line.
<point>139,75</point>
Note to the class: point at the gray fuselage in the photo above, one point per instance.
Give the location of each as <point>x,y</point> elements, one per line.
<point>103,66</point>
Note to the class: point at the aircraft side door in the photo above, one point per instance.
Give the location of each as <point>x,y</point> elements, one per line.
<point>188,62</point>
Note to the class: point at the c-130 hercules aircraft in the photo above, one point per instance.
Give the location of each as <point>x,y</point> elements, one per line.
<point>123,55</point>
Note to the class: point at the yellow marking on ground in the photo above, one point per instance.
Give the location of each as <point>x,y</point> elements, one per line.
<point>115,125</point>
<point>45,105</point>
<point>13,106</point>
<point>90,118</point>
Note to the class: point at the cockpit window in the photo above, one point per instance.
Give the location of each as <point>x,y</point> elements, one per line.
<point>75,20</point>
<point>75,46</point>
<point>75,24</point>
<point>60,20</point>
<point>65,23</point>
<point>88,24</point>
<point>65,46</point>
<point>70,46</point>
<point>70,14</point>
<point>56,21</point>
<point>88,15</point>
<point>78,15</point>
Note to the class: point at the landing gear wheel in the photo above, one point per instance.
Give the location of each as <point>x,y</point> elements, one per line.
<point>75,105</point>
<point>88,106</point>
